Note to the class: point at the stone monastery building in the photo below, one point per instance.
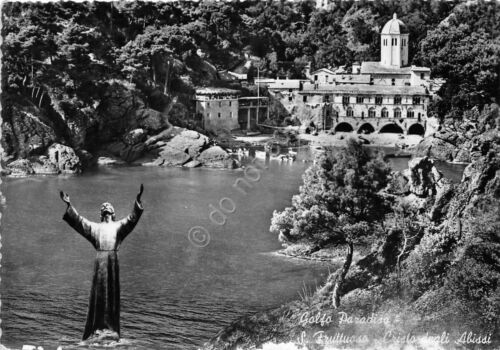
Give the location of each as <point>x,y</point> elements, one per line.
<point>384,96</point>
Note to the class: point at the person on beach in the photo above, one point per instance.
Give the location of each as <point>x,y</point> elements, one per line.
<point>104,305</point>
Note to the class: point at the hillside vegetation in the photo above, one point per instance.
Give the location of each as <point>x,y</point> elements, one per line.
<point>86,74</point>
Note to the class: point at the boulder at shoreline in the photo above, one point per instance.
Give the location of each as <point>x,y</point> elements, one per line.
<point>192,149</point>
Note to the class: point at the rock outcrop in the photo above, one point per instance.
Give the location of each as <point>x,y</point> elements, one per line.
<point>59,159</point>
<point>190,148</point>
<point>462,140</point>
<point>64,158</point>
<point>424,178</point>
<point>216,157</point>
<point>150,120</point>
<point>24,133</point>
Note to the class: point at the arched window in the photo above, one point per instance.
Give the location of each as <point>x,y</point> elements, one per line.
<point>397,113</point>
<point>350,112</point>
<point>371,113</point>
<point>409,113</point>
<point>385,113</point>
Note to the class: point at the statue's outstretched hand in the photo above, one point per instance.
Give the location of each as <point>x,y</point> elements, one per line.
<point>140,193</point>
<point>65,197</point>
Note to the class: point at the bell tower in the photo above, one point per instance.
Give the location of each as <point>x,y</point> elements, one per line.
<point>394,44</point>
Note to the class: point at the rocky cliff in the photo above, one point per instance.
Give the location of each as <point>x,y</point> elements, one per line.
<point>443,277</point>
<point>462,140</point>
<point>45,134</point>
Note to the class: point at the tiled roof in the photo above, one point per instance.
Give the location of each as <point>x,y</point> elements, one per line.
<point>425,69</point>
<point>215,90</point>
<point>370,89</point>
<point>285,84</point>
<point>352,78</point>
<point>329,71</point>
<point>378,68</point>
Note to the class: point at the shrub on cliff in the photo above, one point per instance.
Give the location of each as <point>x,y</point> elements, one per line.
<point>339,202</point>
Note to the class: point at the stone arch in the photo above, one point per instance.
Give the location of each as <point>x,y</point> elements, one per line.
<point>391,128</point>
<point>344,127</point>
<point>416,129</point>
<point>366,128</point>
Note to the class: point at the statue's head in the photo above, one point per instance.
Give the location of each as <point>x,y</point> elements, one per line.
<point>107,209</point>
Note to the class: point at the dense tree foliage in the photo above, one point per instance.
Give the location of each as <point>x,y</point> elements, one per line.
<point>75,48</point>
<point>339,202</point>
<point>465,50</point>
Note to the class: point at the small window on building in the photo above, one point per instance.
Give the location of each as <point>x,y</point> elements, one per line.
<point>230,103</point>
<point>397,100</point>
<point>409,113</point>
<point>422,76</point>
<point>290,98</point>
<point>326,98</point>
<point>208,104</point>
<point>350,112</point>
<point>371,113</point>
<point>416,100</point>
<point>304,98</point>
<point>378,100</point>
<point>289,90</point>
<point>393,81</point>
<point>315,78</point>
<point>219,115</point>
<point>397,113</point>
<point>230,114</point>
<point>395,41</point>
<point>345,100</point>
<point>359,99</point>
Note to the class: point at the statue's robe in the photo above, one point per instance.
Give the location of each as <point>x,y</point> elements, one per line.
<point>104,304</point>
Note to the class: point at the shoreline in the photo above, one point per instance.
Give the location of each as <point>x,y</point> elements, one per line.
<point>394,146</point>
<point>332,255</point>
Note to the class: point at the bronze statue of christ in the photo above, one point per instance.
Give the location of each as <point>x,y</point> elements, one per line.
<point>106,237</point>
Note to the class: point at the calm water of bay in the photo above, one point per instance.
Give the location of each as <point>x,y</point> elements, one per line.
<point>174,295</point>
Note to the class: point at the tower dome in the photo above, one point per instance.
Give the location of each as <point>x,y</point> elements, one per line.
<point>394,43</point>
<point>395,26</point>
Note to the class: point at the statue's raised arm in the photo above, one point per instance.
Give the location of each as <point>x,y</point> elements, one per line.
<point>128,224</point>
<point>78,222</point>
